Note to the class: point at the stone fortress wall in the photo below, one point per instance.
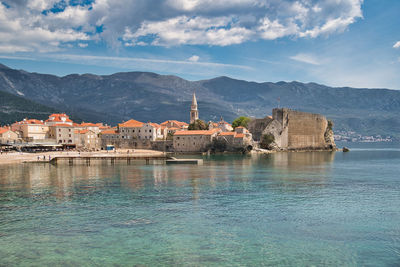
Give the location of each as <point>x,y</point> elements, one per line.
<point>304,130</point>
<point>295,130</point>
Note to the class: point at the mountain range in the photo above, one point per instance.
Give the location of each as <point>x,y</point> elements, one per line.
<point>152,97</point>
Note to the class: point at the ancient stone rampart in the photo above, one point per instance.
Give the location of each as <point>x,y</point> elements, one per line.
<point>257,126</point>
<point>296,130</point>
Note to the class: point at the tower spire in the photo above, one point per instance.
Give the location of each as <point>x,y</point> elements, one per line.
<point>194,113</point>
<point>194,101</point>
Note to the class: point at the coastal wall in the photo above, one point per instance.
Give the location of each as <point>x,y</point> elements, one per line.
<point>306,130</point>
<point>294,130</point>
<point>257,126</point>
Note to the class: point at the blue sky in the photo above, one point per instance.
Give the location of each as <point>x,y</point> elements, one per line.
<point>333,42</point>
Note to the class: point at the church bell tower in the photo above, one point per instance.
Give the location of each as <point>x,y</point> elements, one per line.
<point>194,113</point>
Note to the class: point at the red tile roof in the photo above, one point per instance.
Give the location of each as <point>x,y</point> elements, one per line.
<point>131,123</point>
<point>89,124</point>
<point>30,121</point>
<point>227,133</point>
<point>197,132</point>
<point>239,127</point>
<point>155,125</point>
<point>110,131</point>
<point>57,117</point>
<point>178,123</point>
<point>239,135</point>
<point>62,125</point>
<point>4,130</point>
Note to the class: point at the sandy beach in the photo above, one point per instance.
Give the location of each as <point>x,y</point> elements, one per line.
<point>20,157</point>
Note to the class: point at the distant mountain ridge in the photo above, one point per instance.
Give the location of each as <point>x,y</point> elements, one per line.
<point>148,96</point>
<point>14,108</point>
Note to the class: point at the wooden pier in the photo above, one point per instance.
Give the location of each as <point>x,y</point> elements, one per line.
<point>173,160</point>
<point>112,159</point>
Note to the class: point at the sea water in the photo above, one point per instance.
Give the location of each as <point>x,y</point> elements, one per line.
<point>283,209</point>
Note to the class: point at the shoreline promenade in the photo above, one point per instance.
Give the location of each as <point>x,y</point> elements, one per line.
<point>21,157</point>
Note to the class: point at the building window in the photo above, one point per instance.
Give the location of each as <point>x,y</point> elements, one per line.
<point>69,135</point>
<point>59,135</point>
<point>150,131</point>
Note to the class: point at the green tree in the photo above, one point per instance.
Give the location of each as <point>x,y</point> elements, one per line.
<point>267,140</point>
<point>240,121</point>
<point>198,125</point>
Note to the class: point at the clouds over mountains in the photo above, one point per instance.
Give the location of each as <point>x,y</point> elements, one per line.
<point>47,25</point>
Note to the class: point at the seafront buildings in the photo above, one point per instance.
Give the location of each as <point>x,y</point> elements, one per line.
<point>60,132</point>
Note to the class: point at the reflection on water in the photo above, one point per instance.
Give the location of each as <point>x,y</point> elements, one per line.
<point>64,180</point>
<point>283,209</point>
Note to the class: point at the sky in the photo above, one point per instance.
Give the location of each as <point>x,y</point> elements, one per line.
<point>352,43</point>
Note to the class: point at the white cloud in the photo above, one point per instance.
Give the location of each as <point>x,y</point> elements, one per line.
<point>185,30</point>
<point>20,31</point>
<point>194,58</point>
<point>397,45</point>
<point>83,45</point>
<point>134,60</point>
<point>306,58</point>
<point>31,26</point>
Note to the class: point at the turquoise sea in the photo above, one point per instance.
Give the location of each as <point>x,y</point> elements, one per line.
<point>283,209</point>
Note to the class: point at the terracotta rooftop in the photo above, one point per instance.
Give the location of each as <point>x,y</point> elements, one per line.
<point>62,125</point>
<point>239,135</point>
<point>57,118</point>
<point>110,131</point>
<point>30,121</point>
<point>155,125</point>
<point>197,132</point>
<point>227,133</point>
<point>89,124</point>
<point>178,123</point>
<point>4,130</point>
<point>131,123</point>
